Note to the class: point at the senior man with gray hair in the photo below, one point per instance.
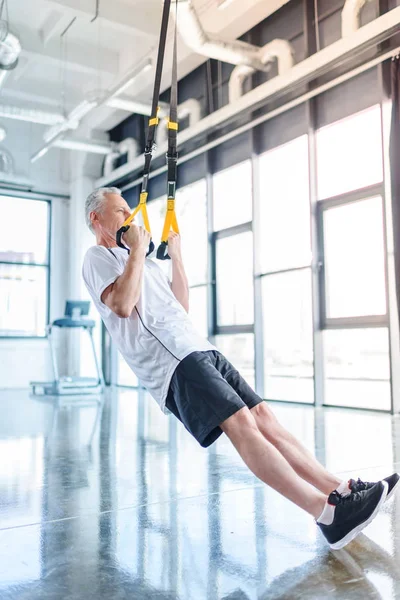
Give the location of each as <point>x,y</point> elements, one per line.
<point>146,316</point>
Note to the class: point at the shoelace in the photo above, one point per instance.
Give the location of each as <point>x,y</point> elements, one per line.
<point>352,498</point>
<point>362,484</point>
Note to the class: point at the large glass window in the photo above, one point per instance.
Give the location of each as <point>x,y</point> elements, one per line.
<point>198,309</point>
<point>235,290</point>
<point>288,337</point>
<point>357,369</point>
<point>125,375</point>
<point>354,259</point>
<point>239,350</point>
<point>24,267</point>
<point>284,211</point>
<point>232,196</point>
<point>349,153</point>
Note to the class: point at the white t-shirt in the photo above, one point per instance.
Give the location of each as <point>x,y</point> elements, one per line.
<point>158,334</point>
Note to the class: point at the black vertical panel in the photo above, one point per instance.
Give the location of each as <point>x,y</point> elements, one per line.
<point>280,130</point>
<point>158,187</point>
<point>350,97</point>
<point>192,170</point>
<point>132,196</point>
<point>231,152</point>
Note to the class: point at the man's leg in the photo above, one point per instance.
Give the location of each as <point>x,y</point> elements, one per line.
<point>268,464</point>
<point>301,460</point>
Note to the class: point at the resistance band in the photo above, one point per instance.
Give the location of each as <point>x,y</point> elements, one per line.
<point>151,135</point>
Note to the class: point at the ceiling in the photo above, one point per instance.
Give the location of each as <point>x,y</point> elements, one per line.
<point>58,69</point>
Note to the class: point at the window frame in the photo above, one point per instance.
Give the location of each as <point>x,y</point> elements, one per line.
<point>46,265</point>
<point>217,329</point>
<point>364,321</point>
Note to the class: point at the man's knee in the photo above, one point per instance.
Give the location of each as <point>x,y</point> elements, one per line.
<point>240,423</point>
<point>266,420</point>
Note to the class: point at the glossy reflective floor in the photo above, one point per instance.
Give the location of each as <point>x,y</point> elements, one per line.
<point>117,501</point>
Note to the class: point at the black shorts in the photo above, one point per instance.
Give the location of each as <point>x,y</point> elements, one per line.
<point>206,390</point>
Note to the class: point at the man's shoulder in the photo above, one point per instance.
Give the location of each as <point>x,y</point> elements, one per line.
<point>94,252</point>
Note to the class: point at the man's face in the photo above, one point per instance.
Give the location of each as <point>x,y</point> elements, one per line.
<point>113,214</point>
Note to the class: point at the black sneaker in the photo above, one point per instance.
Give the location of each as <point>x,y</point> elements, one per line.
<point>352,514</point>
<point>393,481</point>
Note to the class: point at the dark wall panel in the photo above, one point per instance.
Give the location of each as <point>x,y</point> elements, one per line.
<point>350,97</point>
<point>232,152</point>
<point>280,130</point>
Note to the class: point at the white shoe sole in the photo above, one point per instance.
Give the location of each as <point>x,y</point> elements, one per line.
<point>392,491</point>
<point>354,533</point>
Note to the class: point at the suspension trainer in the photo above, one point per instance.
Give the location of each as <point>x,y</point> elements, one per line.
<point>172,154</point>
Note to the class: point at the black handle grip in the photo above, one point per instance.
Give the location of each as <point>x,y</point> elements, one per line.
<point>121,232</point>
<point>162,251</point>
<point>151,248</point>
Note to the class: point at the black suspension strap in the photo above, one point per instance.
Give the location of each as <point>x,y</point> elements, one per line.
<point>172,153</point>
<point>151,135</point>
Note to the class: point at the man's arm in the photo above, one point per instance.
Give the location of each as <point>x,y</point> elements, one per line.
<point>123,295</point>
<point>179,285</point>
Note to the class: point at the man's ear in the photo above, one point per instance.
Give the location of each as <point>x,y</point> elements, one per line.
<point>94,217</point>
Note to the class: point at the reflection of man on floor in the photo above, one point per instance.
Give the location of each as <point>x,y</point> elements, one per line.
<point>146,316</point>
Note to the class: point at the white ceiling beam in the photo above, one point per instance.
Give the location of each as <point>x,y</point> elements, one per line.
<point>53,26</point>
<point>141,21</point>
<point>80,57</point>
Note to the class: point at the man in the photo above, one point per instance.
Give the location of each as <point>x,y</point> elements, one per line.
<point>146,316</point>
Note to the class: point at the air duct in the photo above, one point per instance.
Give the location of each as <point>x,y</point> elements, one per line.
<point>86,106</point>
<point>316,65</point>
<point>282,50</point>
<point>190,108</point>
<point>351,16</point>
<point>194,36</point>
<point>6,163</point>
<point>128,146</point>
<point>30,115</point>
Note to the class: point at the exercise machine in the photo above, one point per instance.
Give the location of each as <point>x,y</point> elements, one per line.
<point>75,317</point>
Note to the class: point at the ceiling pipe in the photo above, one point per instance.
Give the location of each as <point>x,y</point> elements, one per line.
<point>128,146</point>
<point>351,16</point>
<point>84,145</point>
<point>133,106</point>
<point>30,115</point>
<point>282,50</point>
<point>194,36</point>
<point>301,73</point>
<point>190,108</point>
<point>72,121</point>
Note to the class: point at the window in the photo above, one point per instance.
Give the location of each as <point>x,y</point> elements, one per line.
<point>24,267</point>
<point>239,350</point>
<point>357,370</point>
<point>354,259</point>
<point>349,153</point>
<point>232,196</point>
<point>288,337</point>
<point>284,211</point>
<point>198,309</point>
<point>125,375</point>
<point>235,295</point>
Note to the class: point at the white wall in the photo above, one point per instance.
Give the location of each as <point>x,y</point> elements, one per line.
<point>58,172</point>
<point>22,361</point>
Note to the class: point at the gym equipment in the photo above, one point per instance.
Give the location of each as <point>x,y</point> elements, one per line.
<point>74,318</point>
<point>172,154</point>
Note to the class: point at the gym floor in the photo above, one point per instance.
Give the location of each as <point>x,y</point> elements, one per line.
<point>117,501</point>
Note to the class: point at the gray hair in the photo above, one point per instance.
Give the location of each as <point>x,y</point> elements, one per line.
<point>95,201</point>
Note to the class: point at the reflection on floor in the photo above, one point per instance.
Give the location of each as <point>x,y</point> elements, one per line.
<point>117,501</point>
